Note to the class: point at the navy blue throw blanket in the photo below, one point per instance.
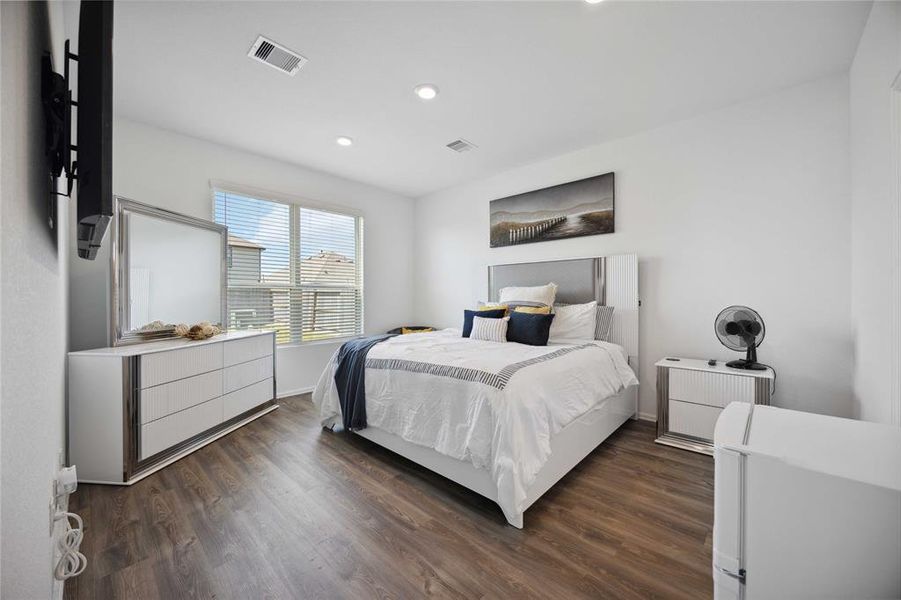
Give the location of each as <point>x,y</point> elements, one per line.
<point>350,379</point>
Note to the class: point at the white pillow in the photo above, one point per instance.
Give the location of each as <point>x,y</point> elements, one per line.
<point>574,321</point>
<point>542,294</point>
<point>489,330</point>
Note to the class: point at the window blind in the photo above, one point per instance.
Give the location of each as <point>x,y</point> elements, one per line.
<point>292,269</point>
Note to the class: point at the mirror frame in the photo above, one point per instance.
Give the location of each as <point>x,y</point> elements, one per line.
<point>119,267</point>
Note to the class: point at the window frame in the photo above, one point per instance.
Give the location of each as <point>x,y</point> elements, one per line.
<point>295,204</point>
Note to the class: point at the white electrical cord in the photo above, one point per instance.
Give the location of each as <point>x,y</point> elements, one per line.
<point>72,562</point>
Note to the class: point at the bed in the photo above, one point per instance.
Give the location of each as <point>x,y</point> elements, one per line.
<point>505,420</point>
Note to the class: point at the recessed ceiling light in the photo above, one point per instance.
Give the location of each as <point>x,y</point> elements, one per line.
<point>426,91</point>
<point>594,1</point>
<point>343,140</point>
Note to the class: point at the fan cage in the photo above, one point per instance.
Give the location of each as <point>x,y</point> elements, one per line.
<point>736,341</point>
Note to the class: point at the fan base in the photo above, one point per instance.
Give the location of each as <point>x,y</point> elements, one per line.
<point>748,365</point>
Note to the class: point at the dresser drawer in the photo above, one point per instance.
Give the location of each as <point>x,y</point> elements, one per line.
<point>246,398</point>
<point>244,374</point>
<point>695,420</point>
<point>239,351</point>
<point>172,365</point>
<point>711,389</point>
<point>168,398</point>
<point>164,433</point>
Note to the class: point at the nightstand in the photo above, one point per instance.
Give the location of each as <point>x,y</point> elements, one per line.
<point>691,394</point>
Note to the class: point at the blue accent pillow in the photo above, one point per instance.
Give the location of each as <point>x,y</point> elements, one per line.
<point>498,313</point>
<point>528,328</point>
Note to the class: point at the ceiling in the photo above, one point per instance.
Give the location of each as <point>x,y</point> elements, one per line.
<point>521,80</point>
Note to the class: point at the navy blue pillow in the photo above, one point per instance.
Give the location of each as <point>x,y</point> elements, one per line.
<point>527,328</point>
<point>498,313</point>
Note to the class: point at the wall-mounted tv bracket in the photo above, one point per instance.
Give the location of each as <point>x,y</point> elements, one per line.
<point>56,97</point>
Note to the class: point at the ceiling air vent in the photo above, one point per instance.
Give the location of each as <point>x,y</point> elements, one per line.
<point>276,56</point>
<point>461,145</point>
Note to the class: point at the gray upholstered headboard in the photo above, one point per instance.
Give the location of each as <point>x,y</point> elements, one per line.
<point>611,280</point>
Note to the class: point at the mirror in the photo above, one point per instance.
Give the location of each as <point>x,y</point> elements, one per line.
<point>167,268</point>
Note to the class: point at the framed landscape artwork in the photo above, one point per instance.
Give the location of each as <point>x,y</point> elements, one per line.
<point>574,209</point>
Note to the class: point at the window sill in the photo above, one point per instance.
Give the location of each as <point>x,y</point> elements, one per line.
<point>330,341</point>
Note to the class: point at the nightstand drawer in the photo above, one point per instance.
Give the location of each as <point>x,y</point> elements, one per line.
<point>691,393</point>
<point>695,420</point>
<point>711,389</point>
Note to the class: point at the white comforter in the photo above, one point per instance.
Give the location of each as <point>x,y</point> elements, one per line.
<point>493,404</point>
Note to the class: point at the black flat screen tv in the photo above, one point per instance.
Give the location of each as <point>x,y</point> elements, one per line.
<point>94,144</point>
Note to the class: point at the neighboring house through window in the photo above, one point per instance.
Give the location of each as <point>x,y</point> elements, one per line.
<point>292,269</point>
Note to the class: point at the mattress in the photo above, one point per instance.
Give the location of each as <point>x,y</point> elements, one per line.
<point>495,405</point>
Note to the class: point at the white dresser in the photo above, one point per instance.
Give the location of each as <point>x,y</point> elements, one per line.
<point>134,409</point>
<point>691,395</point>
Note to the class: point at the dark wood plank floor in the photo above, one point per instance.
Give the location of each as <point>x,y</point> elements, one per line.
<point>281,509</point>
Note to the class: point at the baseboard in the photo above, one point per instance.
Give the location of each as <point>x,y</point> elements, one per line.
<point>296,392</point>
<point>648,417</point>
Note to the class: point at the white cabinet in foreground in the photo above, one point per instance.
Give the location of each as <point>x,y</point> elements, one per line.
<point>135,409</point>
<point>805,506</point>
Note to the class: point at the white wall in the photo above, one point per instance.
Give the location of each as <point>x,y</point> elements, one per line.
<point>876,65</point>
<point>173,171</point>
<point>32,307</point>
<point>746,205</point>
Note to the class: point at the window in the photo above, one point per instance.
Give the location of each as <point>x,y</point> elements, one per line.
<point>292,269</point>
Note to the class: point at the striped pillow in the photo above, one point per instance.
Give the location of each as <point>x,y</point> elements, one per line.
<point>489,330</point>
<point>604,321</point>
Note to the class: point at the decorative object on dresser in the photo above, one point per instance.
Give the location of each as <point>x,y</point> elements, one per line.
<point>691,394</point>
<point>201,331</point>
<point>573,209</point>
<point>137,408</point>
